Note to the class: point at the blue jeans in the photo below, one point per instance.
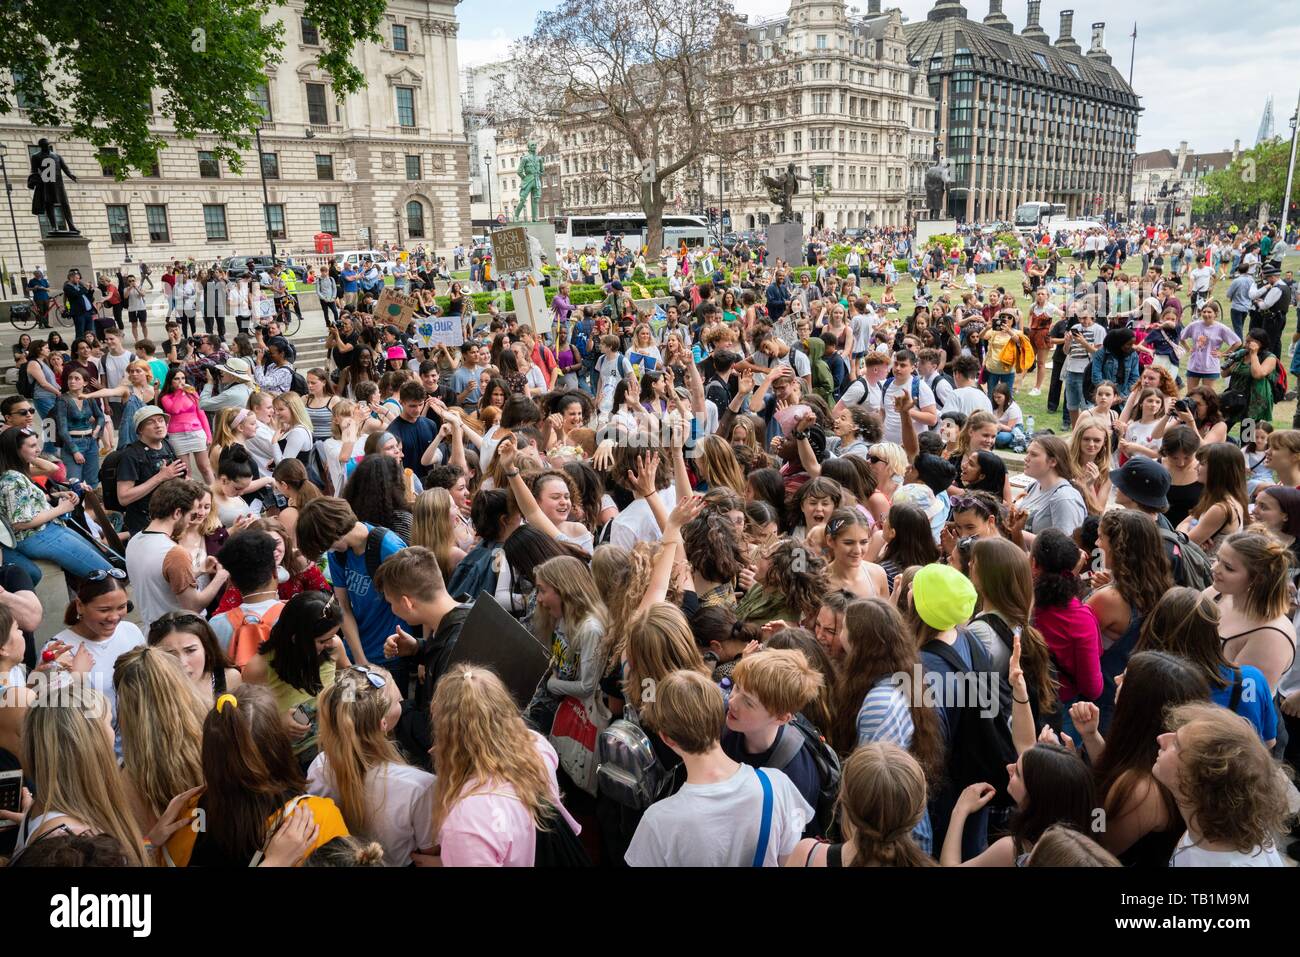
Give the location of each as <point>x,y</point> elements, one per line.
<point>87,472</point>
<point>83,324</point>
<point>44,406</point>
<point>1074,391</point>
<point>993,379</point>
<point>1238,321</point>
<point>18,559</point>
<point>59,544</point>
<point>1007,439</point>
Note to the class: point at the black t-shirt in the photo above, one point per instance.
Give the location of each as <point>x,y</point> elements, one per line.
<point>14,579</point>
<point>345,360</point>
<point>437,651</point>
<point>802,770</point>
<point>1058,331</point>
<point>138,464</point>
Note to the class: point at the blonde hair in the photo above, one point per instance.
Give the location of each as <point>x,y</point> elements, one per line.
<point>72,766</point>
<point>342,411</point>
<point>689,709</point>
<point>658,641</point>
<point>1268,592</point>
<point>782,681</point>
<point>622,576</point>
<point>480,742</point>
<point>223,429</point>
<point>1061,846</point>
<point>1102,458</point>
<point>160,716</point>
<point>431,526</point>
<point>354,741</point>
<point>717,463</point>
<point>892,454</point>
<point>297,411</point>
<point>579,598</point>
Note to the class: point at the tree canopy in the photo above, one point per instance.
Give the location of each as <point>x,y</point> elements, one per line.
<point>92,65</point>
<point>1257,175</point>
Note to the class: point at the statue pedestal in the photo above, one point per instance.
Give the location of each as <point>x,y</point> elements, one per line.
<point>544,233</point>
<point>67,252</point>
<point>927,228</point>
<point>785,241</point>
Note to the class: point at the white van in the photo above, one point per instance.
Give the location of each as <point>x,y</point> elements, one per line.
<point>355,257</point>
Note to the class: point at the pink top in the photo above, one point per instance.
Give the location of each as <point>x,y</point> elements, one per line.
<point>186,416</point>
<point>492,828</point>
<point>1074,639</point>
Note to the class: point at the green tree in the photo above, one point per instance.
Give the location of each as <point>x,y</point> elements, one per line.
<point>1257,175</point>
<point>93,65</point>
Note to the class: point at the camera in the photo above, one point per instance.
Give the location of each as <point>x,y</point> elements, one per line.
<point>1182,405</point>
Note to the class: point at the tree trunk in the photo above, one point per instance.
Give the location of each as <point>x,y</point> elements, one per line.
<point>653,202</point>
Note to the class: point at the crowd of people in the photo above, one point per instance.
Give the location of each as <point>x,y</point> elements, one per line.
<point>797,608</point>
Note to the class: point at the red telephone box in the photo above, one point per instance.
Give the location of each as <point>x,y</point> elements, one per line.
<point>324,243</point>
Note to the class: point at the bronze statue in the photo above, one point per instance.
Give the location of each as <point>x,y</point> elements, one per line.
<point>46,182</point>
<point>937,180</point>
<point>782,189</point>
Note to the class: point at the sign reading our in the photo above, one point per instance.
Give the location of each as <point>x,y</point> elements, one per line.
<point>439,330</point>
<point>396,309</point>
<point>510,251</point>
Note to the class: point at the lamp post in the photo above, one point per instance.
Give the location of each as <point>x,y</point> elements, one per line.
<point>487,164</point>
<point>8,194</point>
<point>266,197</point>
<point>1290,174</point>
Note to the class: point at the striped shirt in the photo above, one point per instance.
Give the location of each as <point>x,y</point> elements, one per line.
<point>886,716</point>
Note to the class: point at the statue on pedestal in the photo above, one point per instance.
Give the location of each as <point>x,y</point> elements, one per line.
<point>48,192</point>
<point>530,182</point>
<point>782,189</point>
<point>937,180</point>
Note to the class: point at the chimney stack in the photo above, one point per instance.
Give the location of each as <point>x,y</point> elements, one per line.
<point>1066,40</point>
<point>1236,149</point>
<point>997,19</point>
<point>1033,31</point>
<point>1098,50</point>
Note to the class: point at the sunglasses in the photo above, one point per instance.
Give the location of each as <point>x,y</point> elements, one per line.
<point>374,677</point>
<point>102,573</point>
<point>28,411</point>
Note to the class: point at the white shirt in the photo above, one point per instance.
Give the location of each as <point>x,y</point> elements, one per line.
<point>1188,855</point>
<point>1201,277</point>
<point>718,825</point>
<point>399,806</point>
<point>636,523</point>
<point>863,393</point>
<point>894,422</point>
<point>968,399</point>
<point>104,655</point>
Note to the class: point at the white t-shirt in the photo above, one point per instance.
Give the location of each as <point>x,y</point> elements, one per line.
<point>104,655</point>
<point>399,802</point>
<point>717,825</point>
<point>636,523</point>
<point>893,422</point>
<point>968,399</point>
<point>1188,855</point>
<point>863,393</point>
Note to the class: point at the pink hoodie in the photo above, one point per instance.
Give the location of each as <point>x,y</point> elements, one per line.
<point>186,416</point>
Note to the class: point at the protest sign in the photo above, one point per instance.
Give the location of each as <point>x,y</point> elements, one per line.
<point>396,309</point>
<point>531,308</point>
<point>433,331</point>
<point>510,251</point>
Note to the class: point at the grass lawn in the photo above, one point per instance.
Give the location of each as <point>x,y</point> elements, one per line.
<point>1036,406</point>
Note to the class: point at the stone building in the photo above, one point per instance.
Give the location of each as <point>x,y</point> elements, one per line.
<point>387,163</point>
<point>1166,181</point>
<point>1023,119</point>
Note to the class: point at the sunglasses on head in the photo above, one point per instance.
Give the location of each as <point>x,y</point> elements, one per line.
<point>374,677</point>
<point>99,574</point>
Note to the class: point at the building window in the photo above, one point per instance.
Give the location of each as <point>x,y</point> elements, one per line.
<point>109,161</point>
<point>271,165</point>
<point>262,97</point>
<point>399,38</point>
<point>23,101</point>
<point>209,168</point>
<point>324,166</point>
<point>214,222</point>
<point>119,224</point>
<point>414,220</point>
<point>156,219</point>
<point>310,34</point>
<point>317,111</point>
<point>275,220</point>
<point>821,41</point>
<point>405,106</point>
<point>329,218</point>
<point>412,167</point>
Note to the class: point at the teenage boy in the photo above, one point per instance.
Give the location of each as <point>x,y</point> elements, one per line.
<point>413,429</point>
<point>412,585</point>
<point>464,380</point>
<point>355,554</point>
<point>767,690</point>
<point>250,557</point>
<point>611,368</point>
<point>114,362</point>
<point>865,390</point>
<point>967,397</point>
<point>1084,338</point>
<point>930,368</point>
<point>835,363</point>
<point>902,380</point>
<point>718,817</point>
<point>161,571</point>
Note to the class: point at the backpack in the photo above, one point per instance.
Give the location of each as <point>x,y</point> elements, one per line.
<point>297,382</point>
<point>375,549</point>
<point>980,747</point>
<point>1193,567</point>
<point>26,387</point>
<point>108,480</point>
<point>826,760</point>
<point>629,772</point>
<point>933,383</point>
<point>476,572</point>
<point>247,632</point>
<point>1279,383</point>
<point>884,389</point>
<point>1018,354</point>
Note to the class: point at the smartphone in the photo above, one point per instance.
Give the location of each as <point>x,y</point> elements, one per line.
<point>302,715</point>
<point>11,795</point>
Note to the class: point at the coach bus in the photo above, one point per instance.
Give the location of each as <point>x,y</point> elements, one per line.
<point>579,232</point>
<point>1029,217</point>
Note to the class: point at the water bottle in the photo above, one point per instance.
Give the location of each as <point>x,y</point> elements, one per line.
<point>1029,426</point>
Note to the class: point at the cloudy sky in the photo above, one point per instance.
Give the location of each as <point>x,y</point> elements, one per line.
<point>1203,69</point>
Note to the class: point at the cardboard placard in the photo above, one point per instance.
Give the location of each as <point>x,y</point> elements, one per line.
<point>511,252</point>
<point>395,309</point>
<point>531,309</point>
<point>491,637</point>
<point>433,331</point>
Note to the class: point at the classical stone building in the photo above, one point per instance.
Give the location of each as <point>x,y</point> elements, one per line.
<point>1023,119</point>
<point>387,163</point>
<point>1166,181</point>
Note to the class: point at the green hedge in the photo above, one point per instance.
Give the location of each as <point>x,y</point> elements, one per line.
<point>580,294</point>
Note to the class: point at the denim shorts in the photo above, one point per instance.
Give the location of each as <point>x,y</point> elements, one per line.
<point>1074,391</point>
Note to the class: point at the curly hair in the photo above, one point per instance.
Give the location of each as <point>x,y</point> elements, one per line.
<point>713,547</point>
<point>1056,556</point>
<point>798,574</point>
<point>1138,563</point>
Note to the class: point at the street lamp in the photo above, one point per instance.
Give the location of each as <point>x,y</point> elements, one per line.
<point>266,197</point>
<point>9,196</point>
<point>487,164</point>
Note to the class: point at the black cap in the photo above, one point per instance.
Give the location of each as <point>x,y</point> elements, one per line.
<point>1144,480</point>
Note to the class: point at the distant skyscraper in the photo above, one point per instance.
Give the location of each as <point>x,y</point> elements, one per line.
<point>1265,123</point>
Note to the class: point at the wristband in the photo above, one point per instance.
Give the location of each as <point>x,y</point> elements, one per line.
<point>512,474</point>
<point>1018,701</point>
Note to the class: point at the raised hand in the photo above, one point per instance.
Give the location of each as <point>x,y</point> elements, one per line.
<point>400,645</point>
<point>1085,716</point>
<point>643,479</point>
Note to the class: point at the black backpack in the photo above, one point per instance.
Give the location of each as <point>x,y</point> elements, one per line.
<point>108,481</point>
<point>1191,566</point>
<point>980,747</point>
<point>374,548</point>
<point>297,383</point>
<point>26,387</point>
<point>799,734</point>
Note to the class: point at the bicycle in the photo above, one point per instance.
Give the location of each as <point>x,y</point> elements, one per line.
<point>37,317</point>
